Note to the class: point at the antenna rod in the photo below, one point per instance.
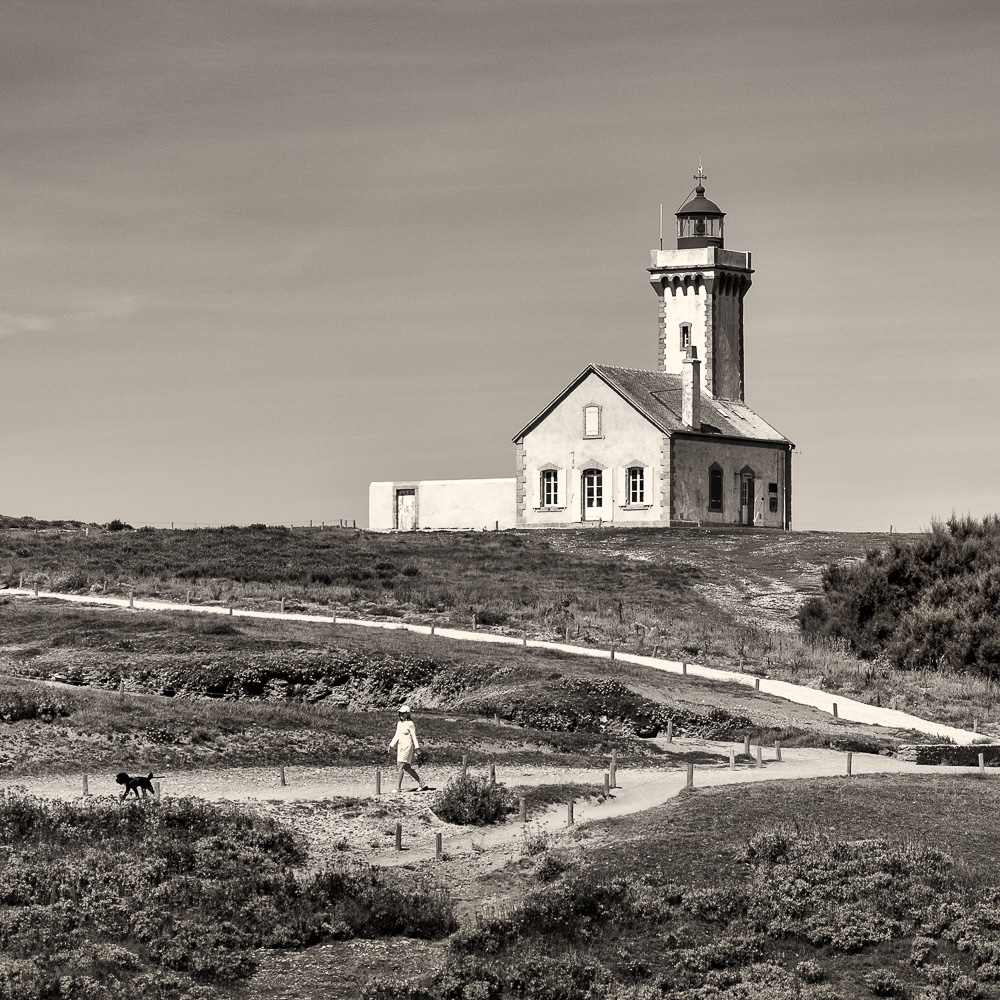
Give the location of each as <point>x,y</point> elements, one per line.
<point>661,225</point>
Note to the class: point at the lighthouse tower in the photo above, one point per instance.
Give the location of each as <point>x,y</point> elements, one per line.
<point>700,287</point>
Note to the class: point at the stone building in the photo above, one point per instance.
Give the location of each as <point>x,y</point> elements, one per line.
<point>622,446</point>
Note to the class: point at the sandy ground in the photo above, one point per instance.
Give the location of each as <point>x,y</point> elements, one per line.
<point>364,829</point>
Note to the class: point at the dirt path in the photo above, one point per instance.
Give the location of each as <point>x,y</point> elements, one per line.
<point>837,705</point>
<point>364,827</point>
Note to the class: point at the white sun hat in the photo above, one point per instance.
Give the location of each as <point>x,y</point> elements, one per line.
<point>403,708</point>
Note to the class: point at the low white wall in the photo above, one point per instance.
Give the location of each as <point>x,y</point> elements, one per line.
<point>447,503</point>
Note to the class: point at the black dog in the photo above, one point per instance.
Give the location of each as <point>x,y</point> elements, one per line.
<point>135,784</point>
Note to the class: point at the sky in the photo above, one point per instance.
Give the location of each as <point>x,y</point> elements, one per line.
<point>255,254</point>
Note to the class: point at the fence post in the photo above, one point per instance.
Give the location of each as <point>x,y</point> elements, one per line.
<point>777,751</point>
<point>432,628</point>
<point>524,638</point>
<point>746,745</point>
<point>399,836</point>
<point>732,759</point>
<point>690,777</point>
<point>756,683</point>
<point>474,626</point>
<point>670,730</point>
<point>493,774</point>
<point>835,710</point>
<point>613,772</point>
<point>378,781</point>
<point>607,784</point>
<point>975,725</point>
<point>438,846</point>
<point>760,756</point>
<point>569,813</point>
<point>612,651</point>
<point>283,782</point>
<point>86,790</point>
<point>282,605</point>
<point>465,764</point>
<point>156,788</point>
<point>131,597</point>
<point>850,757</point>
<point>187,597</point>
<point>982,771</point>
<point>121,686</point>
<point>524,810</point>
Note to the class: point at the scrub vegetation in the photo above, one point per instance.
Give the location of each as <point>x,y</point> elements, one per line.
<point>830,890</point>
<point>927,603</point>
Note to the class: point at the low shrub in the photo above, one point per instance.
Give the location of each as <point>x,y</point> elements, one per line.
<point>472,801</point>
<point>15,706</point>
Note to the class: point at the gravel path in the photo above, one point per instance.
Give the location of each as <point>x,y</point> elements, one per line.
<point>844,708</point>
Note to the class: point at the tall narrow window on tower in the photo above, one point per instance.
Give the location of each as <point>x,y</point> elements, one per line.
<point>685,336</point>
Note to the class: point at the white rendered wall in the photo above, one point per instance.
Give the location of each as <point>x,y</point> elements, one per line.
<point>446,503</point>
<point>626,439</point>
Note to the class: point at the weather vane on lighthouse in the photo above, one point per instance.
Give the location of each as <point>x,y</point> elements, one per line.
<point>701,175</point>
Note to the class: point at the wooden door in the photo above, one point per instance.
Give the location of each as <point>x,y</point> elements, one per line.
<point>592,497</point>
<point>746,500</point>
<point>406,510</point>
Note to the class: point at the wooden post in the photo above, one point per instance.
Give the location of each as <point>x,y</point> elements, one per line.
<point>121,686</point>
<point>283,782</point>
<point>746,745</point>
<point>607,783</point>
<point>131,597</point>
<point>975,725</point>
<point>684,668</point>
<point>86,790</point>
<point>850,757</point>
<point>732,759</point>
<point>465,764</point>
<point>690,777</point>
<point>524,638</point>
<point>567,633</point>
<point>493,774</point>
<point>438,846</point>
<point>524,810</point>
<point>613,771</point>
<point>612,651</point>
<point>187,597</point>
<point>230,609</point>
<point>36,588</point>
<point>756,683</point>
<point>982,771</point>
<point>282,605</point>
<point>432,628</point>
<point>399,836</point>
<point>496,719</point>
<point>569,813</point>
<point>473,623</point>
<point>670,730</point>
<point>378,781</point>
<point>156,788</point>
<point>760,756</point>
<point>777,751</point>
<point>835,710</point>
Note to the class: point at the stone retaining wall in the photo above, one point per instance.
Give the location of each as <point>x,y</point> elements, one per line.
<point>948,753</point>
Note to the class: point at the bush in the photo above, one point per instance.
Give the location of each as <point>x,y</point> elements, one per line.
<point>473,801</point>
<point>884,983</point>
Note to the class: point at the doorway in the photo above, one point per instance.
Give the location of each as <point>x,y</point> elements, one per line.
<point>747,489</point>
<point>592,495</point>
<point>406,510</point>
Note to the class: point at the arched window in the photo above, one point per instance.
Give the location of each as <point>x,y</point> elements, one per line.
<point>685,336</point>
<point>715,487</point>
<point>635,485</point>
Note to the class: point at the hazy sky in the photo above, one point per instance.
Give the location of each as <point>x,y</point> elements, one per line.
<point>257,253</point>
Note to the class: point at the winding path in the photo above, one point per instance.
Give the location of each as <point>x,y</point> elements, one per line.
<point>845,708</point>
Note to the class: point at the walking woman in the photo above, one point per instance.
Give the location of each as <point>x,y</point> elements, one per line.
<point>405,742</point>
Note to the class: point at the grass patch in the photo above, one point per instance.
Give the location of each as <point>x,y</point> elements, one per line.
<point>171,900</point>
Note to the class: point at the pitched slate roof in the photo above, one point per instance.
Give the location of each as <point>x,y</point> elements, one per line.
<point>657,396</point>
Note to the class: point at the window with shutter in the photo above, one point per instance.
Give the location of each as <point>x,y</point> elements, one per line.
<point>592,421</point>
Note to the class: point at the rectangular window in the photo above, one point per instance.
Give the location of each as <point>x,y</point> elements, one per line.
<point>593,488</point>
<point>550,488</point>
<point>772,487</point>
<point>591,421</point>
<point>635,485</point>
<point>715,489</point>
<point>685,336</point>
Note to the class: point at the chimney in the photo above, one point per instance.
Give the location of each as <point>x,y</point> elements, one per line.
<point>691,390</point>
